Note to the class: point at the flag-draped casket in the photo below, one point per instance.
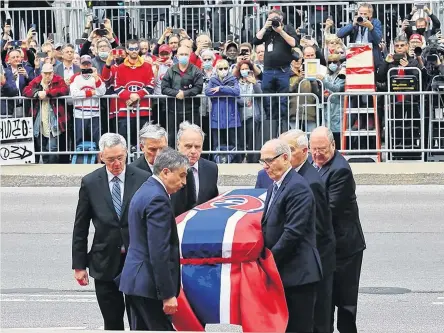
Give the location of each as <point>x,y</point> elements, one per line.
<point>227,275</point>
<point>360,70</point>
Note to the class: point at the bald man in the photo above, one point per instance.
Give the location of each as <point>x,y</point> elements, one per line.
<point>288,227</point>
<point>350,243</point>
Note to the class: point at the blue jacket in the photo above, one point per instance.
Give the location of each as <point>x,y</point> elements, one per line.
<point>152,267</point>
<point>10,90</point>
<point>224,112</point>
<point>374,37</point>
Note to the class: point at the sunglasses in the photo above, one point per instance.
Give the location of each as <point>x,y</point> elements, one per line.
<point>207,59</point>
<point>223,68</point>
<point>133,49</point>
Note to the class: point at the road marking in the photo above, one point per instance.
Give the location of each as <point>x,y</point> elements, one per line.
<point>47,328</point>
<point>42,300</point>
<point>438,303</point>
<point>441,297</point>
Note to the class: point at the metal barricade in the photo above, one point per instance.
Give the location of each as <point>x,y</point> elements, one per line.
<point>63,24</point>
<point>435,123</point>
<point>304,104</point>
<point>404,116</point>
<point>135,21</point>
<point>238,22</point>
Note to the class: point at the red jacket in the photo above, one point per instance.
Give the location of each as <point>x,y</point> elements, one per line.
<point>130,79</point>
<point>56,88</point>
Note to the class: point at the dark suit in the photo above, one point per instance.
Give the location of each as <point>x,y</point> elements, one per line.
<point>151,272</point>
<point>350,243</point>
<point>141,163</point>
<point>60,69</point>
<point>288,227</point>
<point>185,199</point>
<point>325,242</point>
<point>105,260</point>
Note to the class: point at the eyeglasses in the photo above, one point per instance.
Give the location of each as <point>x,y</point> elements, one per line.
<point>133,49</point>
<point>320,150</point>
<point>223,68</point>
<point>207,60</point>
<point>268,161</point>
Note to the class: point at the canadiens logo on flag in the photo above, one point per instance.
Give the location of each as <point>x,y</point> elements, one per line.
<point>227,276</point>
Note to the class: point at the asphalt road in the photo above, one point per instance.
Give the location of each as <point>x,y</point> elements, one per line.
<point>402,288</point>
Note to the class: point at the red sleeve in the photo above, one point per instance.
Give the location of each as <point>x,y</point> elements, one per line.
<point>106,73</point>
<point>120,83</point>
<point>218,57</point>
<point>193,58</point>
<point>59,89</point>
<point>99,83</point>
<point>30,88</point>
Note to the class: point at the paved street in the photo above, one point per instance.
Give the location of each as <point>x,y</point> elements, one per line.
<point>402,287</point>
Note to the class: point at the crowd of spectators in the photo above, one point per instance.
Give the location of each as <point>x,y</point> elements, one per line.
<point>105,84</point>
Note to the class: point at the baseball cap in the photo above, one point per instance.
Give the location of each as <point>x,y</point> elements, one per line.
<point>165,48</point>
<point>416,36</point>
<point>85,59</point>
<point>47,68</point>
<point>58,46</point>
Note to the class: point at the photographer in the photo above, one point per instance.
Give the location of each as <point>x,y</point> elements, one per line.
<point>245,50</point>
<point>421,24</point>
<point>279,41</point>
<point>365,30</point>
<point>433,56</point>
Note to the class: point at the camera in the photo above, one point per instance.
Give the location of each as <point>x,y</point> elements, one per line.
<point>102,31</point>
<point>397,57</point>
<point>243,52</point>
<point>361,19</point>
<point>16,44</point>
<point>87,71</point>
<point>275,22</point>
<point>417,51</point>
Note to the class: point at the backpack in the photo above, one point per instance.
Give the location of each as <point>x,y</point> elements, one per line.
<point>80,158</point>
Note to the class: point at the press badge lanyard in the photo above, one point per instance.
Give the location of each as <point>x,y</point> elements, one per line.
<point>270,46</point>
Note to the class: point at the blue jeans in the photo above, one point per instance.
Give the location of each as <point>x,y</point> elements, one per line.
<point>87,130</point>
<point>276,81</point>
<point>51,144</point>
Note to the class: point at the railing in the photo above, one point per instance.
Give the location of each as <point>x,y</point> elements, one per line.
<point>237,135</point>
<point>235,21</point>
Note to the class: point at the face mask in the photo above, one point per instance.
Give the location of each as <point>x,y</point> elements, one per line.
<point>245,72</point>
<point>223,73</point>
<point>207,65</point>
<point>421,31</point>
<point>87,71</point>
<point>333,67</point>
<point>119,61</point>
<point>183,60</point>
<point>164,58</point>
<point>103,55</point>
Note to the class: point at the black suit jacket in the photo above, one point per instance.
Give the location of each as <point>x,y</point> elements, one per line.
<point>95,204</point>
<point>141,163</point>
<point>185,199</point>
<point>288,227</point>
<point>338,178</point>
<point>325,236</point>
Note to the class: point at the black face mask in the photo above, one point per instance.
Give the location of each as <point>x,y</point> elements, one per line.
<point>87,71</point>
<point>119,61</point>
<point>421,31</point>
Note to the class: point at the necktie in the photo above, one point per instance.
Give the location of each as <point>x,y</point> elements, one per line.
<point>273,194</point>
<point>317,167</point>
<point>196,183</point>
<point>401,73</point>
<point>116,196</point>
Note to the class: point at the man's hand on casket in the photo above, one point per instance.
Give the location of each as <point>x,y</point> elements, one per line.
<point>170,305</point>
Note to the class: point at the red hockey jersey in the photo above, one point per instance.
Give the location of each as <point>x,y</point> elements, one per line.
<point>134,78</point>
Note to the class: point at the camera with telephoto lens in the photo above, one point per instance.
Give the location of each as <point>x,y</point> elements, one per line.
<point>275,22</point>
<point>434,49</point>
<point>361,19</point>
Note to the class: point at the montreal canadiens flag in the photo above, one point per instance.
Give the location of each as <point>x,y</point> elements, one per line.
<point>227,275</point>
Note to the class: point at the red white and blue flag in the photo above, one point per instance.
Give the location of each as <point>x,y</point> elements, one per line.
<point>227,276</point>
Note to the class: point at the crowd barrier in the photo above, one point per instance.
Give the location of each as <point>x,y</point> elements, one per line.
<point>412,127</point>
<point>223,22</point>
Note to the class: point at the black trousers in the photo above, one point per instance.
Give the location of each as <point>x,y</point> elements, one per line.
<point>301,303</point>
<point>147,315</point>
<point>345,293</point>
<point>112,303</point>
<point>322,312</point>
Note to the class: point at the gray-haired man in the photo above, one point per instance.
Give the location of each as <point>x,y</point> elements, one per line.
<point>151,275</point>
<point>104,198</point>
<point>153,138</point>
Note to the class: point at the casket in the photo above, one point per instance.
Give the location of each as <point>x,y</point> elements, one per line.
<point>228,277</point>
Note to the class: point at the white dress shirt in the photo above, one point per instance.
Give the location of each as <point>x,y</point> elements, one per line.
<point>150,165</point>
<point>121,177</point>
<point>195,169</point>
<point>279,182</point>
<point>299,167</point>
